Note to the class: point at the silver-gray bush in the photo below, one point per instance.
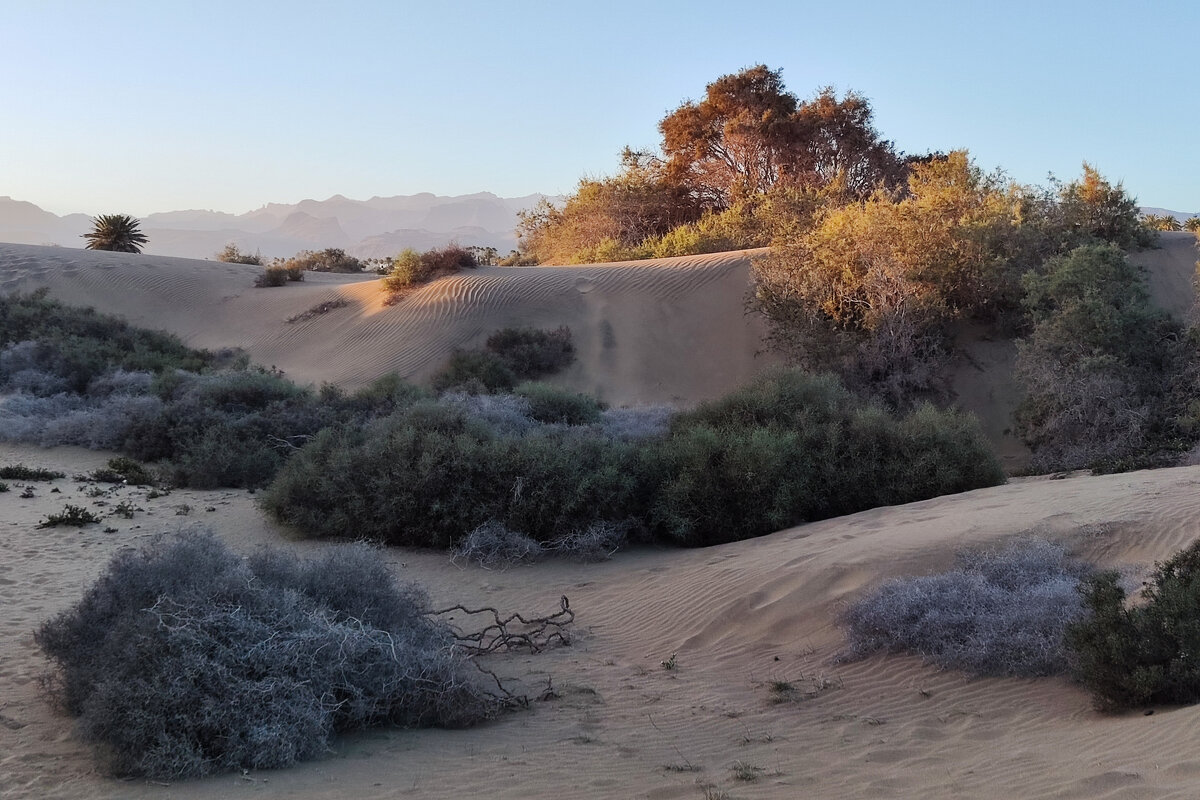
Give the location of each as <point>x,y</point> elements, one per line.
<point>999,613</point>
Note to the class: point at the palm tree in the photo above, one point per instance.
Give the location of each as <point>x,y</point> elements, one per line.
<point>1163,222</point>
<point>117,232</point>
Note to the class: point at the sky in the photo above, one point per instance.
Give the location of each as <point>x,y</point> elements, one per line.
<point>135,107</point>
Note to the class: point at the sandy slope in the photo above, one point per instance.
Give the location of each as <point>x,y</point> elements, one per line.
<point>657,331</point>
<point>738,616</point>
<point>669,330</point>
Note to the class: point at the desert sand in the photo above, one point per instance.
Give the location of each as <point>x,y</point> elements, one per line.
<point>736,617</point>
<point>671,330</point>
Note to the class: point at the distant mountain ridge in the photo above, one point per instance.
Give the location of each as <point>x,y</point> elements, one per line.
<point>374,228</point>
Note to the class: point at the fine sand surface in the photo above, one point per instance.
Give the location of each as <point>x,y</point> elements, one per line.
<point>672,330</point>
<point>736,616</point>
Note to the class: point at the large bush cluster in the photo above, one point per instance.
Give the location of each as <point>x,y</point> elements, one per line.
<point>80,378</point>
<point>790,448</point>
<point>76,346</point>
<point>184,659</point>
<point>394,464</point>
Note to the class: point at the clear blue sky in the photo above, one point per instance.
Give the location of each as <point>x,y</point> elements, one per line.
<point>135,107</point>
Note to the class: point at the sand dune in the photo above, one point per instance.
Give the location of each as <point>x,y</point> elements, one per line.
<point>736,616</point>
<point>671,330</point>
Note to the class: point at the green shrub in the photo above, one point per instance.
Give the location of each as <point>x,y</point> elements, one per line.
<point>77,516</point>
<point>793,448</point>
<point>475,371</point>
<point>509,355</point>
<point>411,268</point>
<point>430,474</point>
<point>407,270</point>
<point>1108,377</point>
<point>551,405</point>
<point>124,470</point>
<point>532,353</point>
<point>1131,655</point>
<point>20,472</point>
<point>183,659</point>
<point>273,276</point>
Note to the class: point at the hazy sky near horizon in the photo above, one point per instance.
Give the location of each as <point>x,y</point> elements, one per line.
<point>136,107</point>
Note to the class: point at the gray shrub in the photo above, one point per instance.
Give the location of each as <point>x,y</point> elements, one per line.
<point>505,413</point>
<point>999,613</point>
<point>185,659</point>
<point>493,544</point>
<point>72,419</point>
<point>121,382</point>
<point>638,422</point>
<point>596,542</point>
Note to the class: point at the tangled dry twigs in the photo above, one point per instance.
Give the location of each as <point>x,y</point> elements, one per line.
<point>511,632</point>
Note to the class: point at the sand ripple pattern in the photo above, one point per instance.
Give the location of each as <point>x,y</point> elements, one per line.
<point>653,331</point>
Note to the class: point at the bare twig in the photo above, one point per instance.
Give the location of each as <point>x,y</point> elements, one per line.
<point>514,631</point>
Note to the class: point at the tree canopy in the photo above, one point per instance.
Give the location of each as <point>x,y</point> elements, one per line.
<point>116,232</point>
<point>749,134</point>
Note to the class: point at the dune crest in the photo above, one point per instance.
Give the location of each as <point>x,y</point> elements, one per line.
<point>669,330</point>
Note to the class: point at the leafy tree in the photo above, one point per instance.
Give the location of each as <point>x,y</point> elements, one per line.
<point>1092,208</point>
<point>232,255</point>
<point>749,133</point>
<point>116,232</point>
<point>1161,222</point>
<point>732,167</point>
<point>1192,224</point>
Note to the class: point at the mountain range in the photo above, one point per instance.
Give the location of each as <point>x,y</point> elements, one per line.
<point>375,228</point>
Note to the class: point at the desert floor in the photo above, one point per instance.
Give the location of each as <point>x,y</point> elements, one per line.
<point>735,617</point>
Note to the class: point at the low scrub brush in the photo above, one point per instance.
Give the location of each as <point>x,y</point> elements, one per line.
<point>999,613</point>
<point>184,659</point>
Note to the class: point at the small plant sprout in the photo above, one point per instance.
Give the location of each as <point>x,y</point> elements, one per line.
<point>745,771</point>
<point>671,663</point>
